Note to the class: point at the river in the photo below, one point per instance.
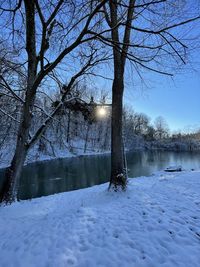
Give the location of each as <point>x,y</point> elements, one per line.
<point>61,175</point>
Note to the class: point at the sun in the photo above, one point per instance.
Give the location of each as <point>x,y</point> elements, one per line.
<point>101,112</point>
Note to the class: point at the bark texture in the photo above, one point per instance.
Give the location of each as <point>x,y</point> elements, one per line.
<point>11,183</point>
<point>118,179</point>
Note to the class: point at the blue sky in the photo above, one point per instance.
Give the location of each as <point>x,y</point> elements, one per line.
<point>177,100</point>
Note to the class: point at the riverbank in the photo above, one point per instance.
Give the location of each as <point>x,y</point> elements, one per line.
<point>35,156</point>
<point>77,148</point>
<point>154,223</point>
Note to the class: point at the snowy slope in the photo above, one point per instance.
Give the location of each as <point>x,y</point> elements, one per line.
<point>155,223</point>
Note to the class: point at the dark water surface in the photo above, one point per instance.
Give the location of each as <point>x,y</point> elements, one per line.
<point>60,175</point>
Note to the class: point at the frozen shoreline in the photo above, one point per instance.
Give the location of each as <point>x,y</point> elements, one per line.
<point>154,223</point>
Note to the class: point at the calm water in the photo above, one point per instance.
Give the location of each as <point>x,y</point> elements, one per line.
<point>45,178</point>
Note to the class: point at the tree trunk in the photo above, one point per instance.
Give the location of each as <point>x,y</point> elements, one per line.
<point>12,176</point>
<point>86,138</point>
<point>106,144</point>
<point>9,190</point>
<point>68,126</point>
<point>118,177</point>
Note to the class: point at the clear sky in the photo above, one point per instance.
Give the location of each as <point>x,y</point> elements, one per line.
<point>177,100</point>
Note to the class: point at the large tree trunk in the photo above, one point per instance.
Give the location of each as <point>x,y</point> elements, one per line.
<point>118,175</point>
<point>9,190</point>
<point>117,179</point>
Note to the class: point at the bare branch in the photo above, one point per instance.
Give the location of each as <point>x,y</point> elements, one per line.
<point>12,10</point>
<point>7,86</point>
<point>8,115</point>
<point>166,28</point>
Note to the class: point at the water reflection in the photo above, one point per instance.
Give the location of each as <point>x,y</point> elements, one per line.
<point>45,178</point>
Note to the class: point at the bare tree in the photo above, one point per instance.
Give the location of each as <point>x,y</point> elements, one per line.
<point>38,24</point>
<point>118,177</point>
<point>156,41</point>
<point>161,128</point>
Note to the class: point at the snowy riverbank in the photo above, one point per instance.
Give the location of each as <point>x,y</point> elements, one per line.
<point>76,149</point>
<point>35,156</point>
<point>154,223</point>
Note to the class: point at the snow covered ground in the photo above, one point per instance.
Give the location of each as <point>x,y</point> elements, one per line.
<point>156,222</point>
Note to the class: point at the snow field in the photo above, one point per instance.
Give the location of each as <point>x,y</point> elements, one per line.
<point>156,222</point>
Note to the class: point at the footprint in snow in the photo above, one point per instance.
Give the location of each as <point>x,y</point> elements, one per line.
<point>198,234</point>
<point>144,213</point>
<point>177,210</point>
<point>194,217</point>
<point>84,248</point>
<point>90,219</point>
<point>70,261</point>
<point>116,235</point>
